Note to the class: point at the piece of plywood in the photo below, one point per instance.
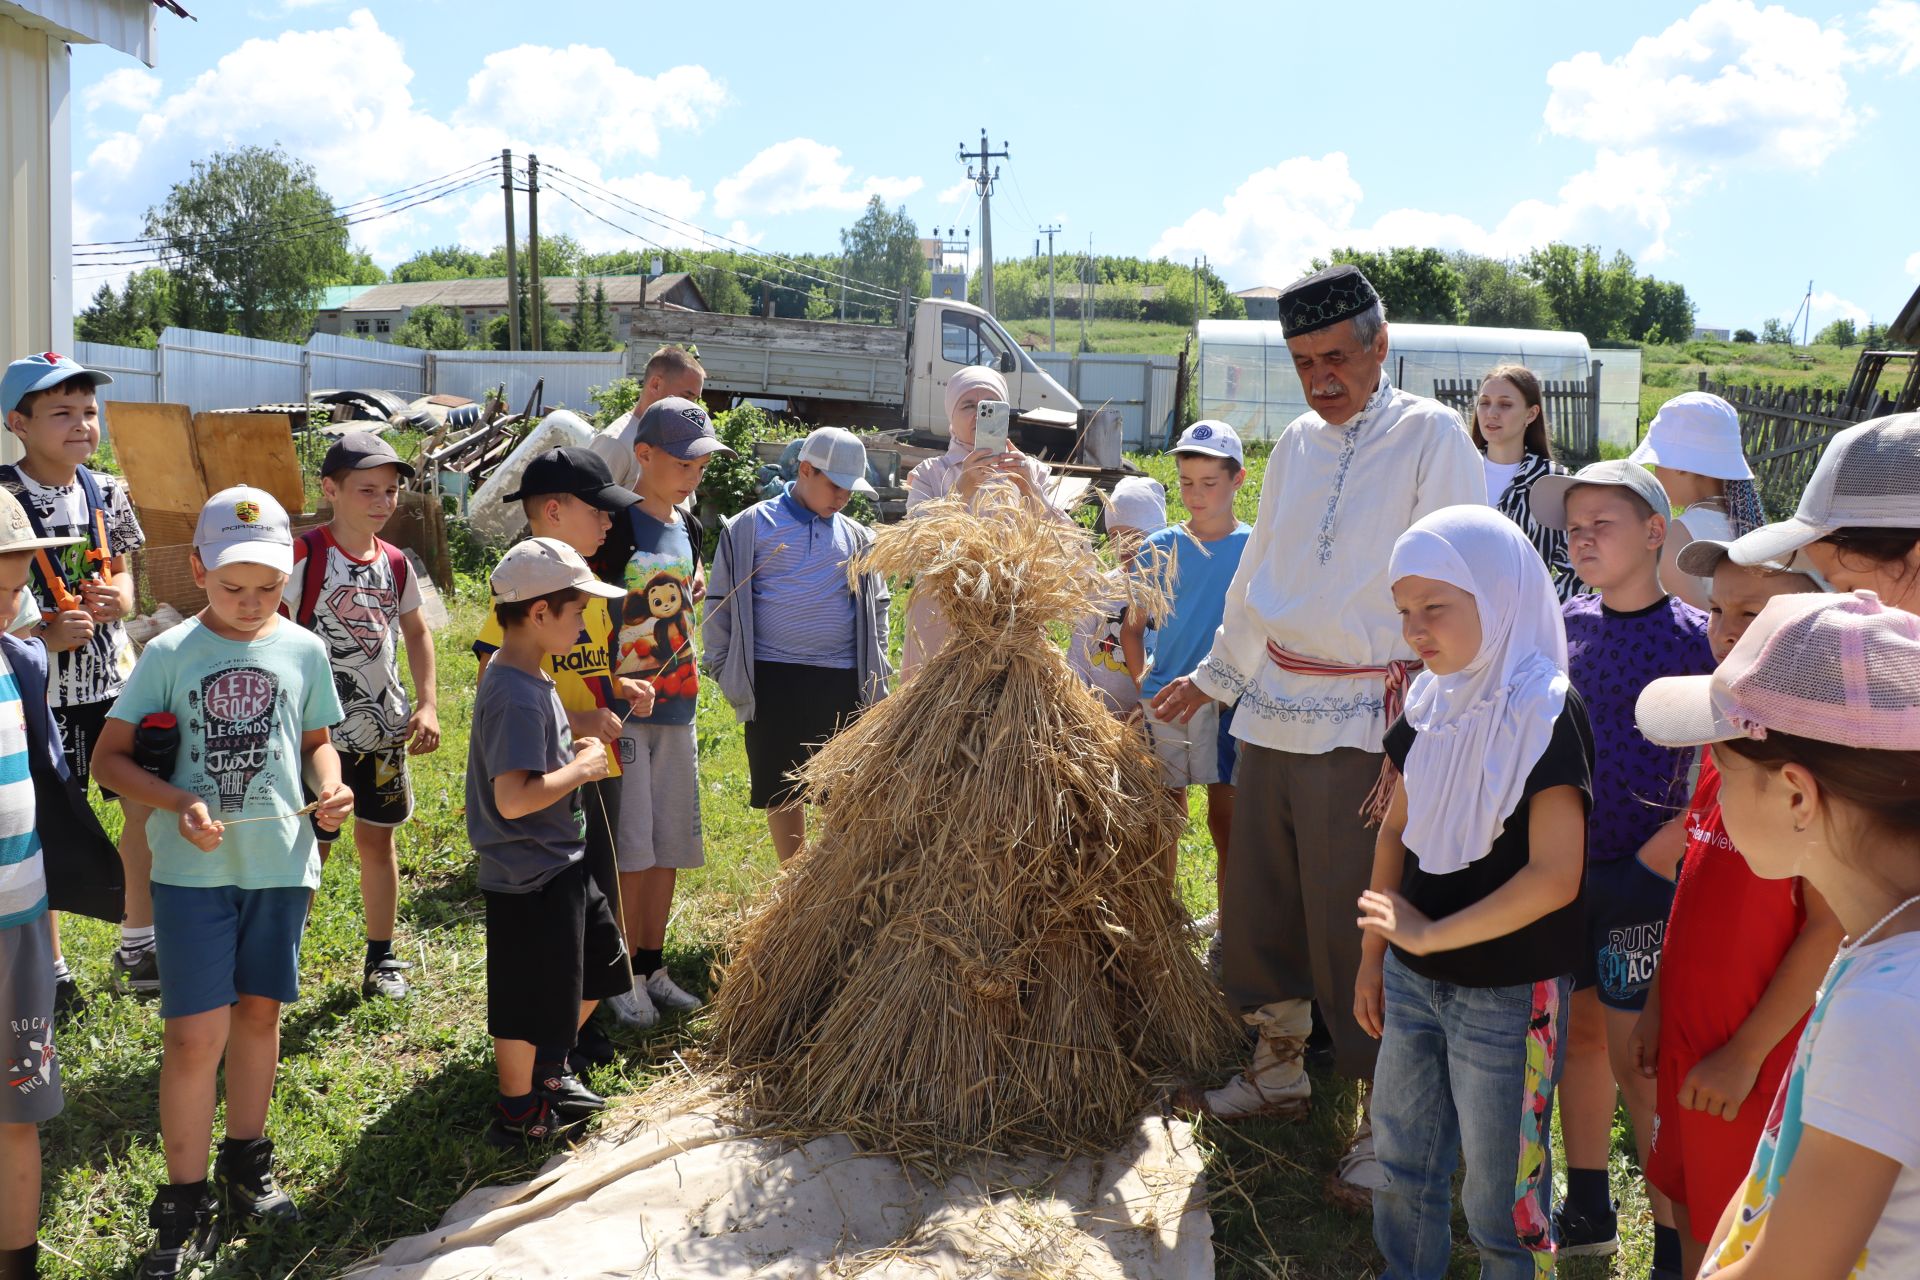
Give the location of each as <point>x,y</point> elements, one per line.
<point>249,448</point>
<point>154,444</point>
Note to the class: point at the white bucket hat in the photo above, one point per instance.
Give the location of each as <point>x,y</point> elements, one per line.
<point>1696,431</point>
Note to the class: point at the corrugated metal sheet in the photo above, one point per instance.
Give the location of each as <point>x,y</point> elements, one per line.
<point>225,371</point>
<point>335,361</point>
<point>1140,388</point>
<point>570,375</point>
<point>126,25</point>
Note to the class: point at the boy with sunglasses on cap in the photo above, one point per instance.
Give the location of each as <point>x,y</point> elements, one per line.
<point>1628,632</point>
<point>797,651</point>
<point>357,592</point>
<point>251,699</point>
<point>82,593</point>
<point>569,495</point>
<point>553,948</point>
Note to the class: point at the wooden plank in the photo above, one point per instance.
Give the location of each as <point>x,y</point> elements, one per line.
<point>250,448</point>
<point>154,444</point>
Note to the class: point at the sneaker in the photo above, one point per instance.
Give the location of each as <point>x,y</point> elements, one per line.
<point>243,1175</point>
<point>537,1126</point>
<point>633,1008</point>
<point>387,978</point>
<point>593,1049</point>
<point>1576,1235</point>
<point>1359,1173</point>
<point>186,1231</point>
<point>666,994</point>
<point>1205,926</point>
<point>569,1099</point>
<point>67,999</point>
<point>134,972</point>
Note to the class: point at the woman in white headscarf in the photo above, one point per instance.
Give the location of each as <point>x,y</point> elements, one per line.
<point>1472,926</point>
<point>960,472</point>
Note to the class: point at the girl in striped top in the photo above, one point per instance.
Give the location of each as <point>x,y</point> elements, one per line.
<point>1509,426</point>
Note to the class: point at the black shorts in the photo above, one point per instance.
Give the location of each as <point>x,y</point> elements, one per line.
<point>600,806</point>
<point>1627,908</point>
<point>547,950</point>
<point>796,709</point>
<point>80,727</point>
<point>382,789</point>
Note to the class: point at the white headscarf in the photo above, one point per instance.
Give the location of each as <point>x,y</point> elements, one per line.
<point>1483,728</point>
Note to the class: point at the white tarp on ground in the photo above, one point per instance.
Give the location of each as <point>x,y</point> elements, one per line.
<point>680,1193</point>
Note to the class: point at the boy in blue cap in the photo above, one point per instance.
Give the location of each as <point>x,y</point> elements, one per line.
<point>83,593</point>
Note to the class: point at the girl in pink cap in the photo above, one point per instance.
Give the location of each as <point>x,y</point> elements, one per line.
<point>1814,719</point>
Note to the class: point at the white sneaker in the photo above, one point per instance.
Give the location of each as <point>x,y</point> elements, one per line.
<point>634,1008</point>
<point>667,994</point>
<point>1204,926</point>
<point>1360,1172</point>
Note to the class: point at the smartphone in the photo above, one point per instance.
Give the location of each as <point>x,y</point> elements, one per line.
<point>991,419</point>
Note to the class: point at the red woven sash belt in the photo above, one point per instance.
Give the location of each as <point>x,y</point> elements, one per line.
<point>1395,674</point>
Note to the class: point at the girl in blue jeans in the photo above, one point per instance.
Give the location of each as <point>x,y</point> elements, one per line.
<point>1472,919</point>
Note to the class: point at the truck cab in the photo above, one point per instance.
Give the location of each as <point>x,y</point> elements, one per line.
<point>949,336</point>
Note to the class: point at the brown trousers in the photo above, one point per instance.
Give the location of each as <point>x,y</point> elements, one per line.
<point>1300,856</point>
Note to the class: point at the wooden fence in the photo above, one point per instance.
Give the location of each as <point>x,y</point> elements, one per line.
<point>1783,429</point>
<point>1573,412</point>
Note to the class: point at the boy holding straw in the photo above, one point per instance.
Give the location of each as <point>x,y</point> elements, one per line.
<point>798,650</point>
<point>569,495</point>
<point>235,864</point>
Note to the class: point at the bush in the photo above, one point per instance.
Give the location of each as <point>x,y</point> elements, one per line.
<point>614,399</point>
<point>1745,335</point>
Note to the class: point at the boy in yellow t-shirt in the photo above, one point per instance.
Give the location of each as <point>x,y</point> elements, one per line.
<point>569,494</point>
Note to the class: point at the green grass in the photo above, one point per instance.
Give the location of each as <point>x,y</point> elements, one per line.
<point>1110,337</point>
<point>1668,369</point>
<point>380,1107</point>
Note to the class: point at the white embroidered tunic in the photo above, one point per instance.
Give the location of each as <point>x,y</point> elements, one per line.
<point>1313,579</point>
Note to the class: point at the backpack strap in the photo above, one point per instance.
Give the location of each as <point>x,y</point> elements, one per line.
<point>397,566</point>
<point>314,577</point>
<point>52,573</point>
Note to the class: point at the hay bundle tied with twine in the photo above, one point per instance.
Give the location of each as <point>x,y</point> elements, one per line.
<point>979,952</point>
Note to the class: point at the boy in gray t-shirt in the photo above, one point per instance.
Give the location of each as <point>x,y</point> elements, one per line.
<point>553,948</point>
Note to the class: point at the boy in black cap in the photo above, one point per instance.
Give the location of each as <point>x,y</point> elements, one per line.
<point>569,495</point>
<point>357,592</point>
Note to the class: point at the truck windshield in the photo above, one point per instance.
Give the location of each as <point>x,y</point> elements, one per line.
<point>964,341</point>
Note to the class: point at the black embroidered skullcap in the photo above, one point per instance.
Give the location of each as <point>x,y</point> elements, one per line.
<point>1327,297</point>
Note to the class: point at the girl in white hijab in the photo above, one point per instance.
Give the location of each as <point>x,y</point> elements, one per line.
<point>959,473</point>
<point>1472,925</point>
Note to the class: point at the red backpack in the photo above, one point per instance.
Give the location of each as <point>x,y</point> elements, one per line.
<point>315,540</point>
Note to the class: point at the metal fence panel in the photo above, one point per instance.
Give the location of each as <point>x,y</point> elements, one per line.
<point>348,363</point>
<point>225,371</point>
<point>136,376</point>
<point>570,375</point>
<point>1138,387</point>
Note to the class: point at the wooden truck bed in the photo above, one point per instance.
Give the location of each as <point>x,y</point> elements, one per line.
<point>803,359</point>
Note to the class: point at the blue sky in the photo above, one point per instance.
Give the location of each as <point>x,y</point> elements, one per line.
<point>1741,149</point>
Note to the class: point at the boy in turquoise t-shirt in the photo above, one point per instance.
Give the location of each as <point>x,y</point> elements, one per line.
<point>252,698</point>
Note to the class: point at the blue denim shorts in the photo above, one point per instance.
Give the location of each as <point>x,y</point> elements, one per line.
<point>219,943</point>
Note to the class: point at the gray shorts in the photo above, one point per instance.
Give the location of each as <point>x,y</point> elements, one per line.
<point>29,1071</point>
<point>1189,753</point>
<point>659,798</point>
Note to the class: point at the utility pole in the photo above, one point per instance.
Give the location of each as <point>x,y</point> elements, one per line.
<point>513,270</point>
<point>1086,290</point>
<point>1049,233</point>
<point>536,296</point>
<point>983,186</point>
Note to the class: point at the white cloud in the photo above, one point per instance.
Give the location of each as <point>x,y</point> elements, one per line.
<point>957,192</point>
<point>801,174</point>
<point>1826,305</point>
<point>1897,24</point>
<point>1729,81</point>
<point>582,96</point>
<point>125,88</point>
<point>288,6</point>
<point>1913,265</point>
<point>1282,217</point>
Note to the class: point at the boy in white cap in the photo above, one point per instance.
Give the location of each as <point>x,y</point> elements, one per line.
<point>249,698</point>
<point>1102,651</point>
<point>553,948</point>
<point>1200,555</point>
<point>797,650</point>
<point>81,592</point>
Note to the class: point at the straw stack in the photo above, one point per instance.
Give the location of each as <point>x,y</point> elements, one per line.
<point>979,952</point>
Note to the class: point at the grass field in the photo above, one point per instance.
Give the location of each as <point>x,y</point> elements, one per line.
<point>380,1106</point>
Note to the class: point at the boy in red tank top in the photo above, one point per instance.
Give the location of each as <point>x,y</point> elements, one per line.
<point>1727,1005</point>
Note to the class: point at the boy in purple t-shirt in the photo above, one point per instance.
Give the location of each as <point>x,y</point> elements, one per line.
<point>1627,634</point>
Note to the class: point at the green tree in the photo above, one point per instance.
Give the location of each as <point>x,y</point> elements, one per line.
<point>1771,330</point>
<point>1499,294</point>
<point>1745,335</point>
<point>1666,312</point>
<point>1600,299</point>
<point>1841,333</point>
<point>432,328</point>
<point>250,239</point>
<point>361,269</point>
<point>448,262</point>
<point>135,317</point>
<point>882,250</point>
<point>1417,285</point>
<point>591,329</point>
<point>559,256</point>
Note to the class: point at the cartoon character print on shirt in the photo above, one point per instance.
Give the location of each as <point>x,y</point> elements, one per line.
<point>355,617</point>
<point>656,626</point>
<point>29,1068</point>
<point>1103,647</point>
<point>233,725</point>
